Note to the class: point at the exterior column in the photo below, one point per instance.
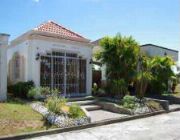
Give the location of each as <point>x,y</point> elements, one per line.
<point>3,65</point>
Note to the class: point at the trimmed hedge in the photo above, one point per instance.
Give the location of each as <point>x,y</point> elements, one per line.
<point>20,89</point>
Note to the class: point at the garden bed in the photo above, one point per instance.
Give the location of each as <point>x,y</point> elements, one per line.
<point>132,106</point>
<point>60,120</point>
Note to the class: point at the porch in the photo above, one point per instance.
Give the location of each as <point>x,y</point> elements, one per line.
<point>64,71</point>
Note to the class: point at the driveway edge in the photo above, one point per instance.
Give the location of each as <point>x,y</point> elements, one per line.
<point>95,124</point>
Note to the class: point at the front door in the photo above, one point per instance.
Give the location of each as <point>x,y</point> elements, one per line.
<point>64,71</point>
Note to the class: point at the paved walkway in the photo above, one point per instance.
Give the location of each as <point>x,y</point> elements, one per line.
<point>161,127</point>
<point>99,115</point>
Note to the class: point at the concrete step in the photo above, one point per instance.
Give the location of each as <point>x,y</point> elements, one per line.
<point>86,102</point>
<point>80,98</point>
<point>92,107</point>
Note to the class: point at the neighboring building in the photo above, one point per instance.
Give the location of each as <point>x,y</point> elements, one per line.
<point>53,56</point>
<point>154,50</point>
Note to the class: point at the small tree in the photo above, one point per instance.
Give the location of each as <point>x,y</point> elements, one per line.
<point>120,55</point>
<point>162,72</point>
<point>143,76</point>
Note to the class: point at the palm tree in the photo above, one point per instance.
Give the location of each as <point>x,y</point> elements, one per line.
<point>120,55</point>
<point>143,75</point>
<point>161,69</point>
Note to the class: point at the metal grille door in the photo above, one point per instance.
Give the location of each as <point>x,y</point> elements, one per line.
<point>58,73</point>
<point>64,71</point>
<point>45,71</point>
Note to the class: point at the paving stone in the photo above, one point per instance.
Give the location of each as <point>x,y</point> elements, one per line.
<point>99,115</point>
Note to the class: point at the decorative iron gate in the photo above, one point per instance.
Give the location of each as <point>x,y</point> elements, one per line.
<point>64,71</point>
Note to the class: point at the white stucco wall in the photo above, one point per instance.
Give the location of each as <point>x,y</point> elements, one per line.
<point>22,49</point>
<point>41,46</point>
<point>31,47</point>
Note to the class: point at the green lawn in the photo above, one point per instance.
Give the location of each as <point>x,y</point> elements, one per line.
<point>18,117</point>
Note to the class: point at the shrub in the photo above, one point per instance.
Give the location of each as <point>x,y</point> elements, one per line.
<point>55,104</point>
<point>21,89</point>
<point>55,92</point>
<point>42,92</point>
<point>45,90</point>
<point>129,102</point>
<point>75,111</point>
<point>162,72</point>
<point>34,92</point>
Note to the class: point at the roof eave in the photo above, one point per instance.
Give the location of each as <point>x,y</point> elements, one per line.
<point>146,45</point>
<point>34,32</point>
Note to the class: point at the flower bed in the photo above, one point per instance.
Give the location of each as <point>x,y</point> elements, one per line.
<point>59,120</point>
<point>131,105</point>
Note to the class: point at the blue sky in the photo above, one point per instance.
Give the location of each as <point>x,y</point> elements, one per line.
<point>148,21</point>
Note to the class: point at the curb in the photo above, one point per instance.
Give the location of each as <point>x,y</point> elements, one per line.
<point>95,124</point>
<point>174,110</point>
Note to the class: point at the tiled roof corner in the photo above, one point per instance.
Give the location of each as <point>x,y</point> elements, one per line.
<point>54,28</point>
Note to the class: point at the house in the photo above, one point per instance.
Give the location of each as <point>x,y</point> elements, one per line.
<point>52,56</point>
<point>149,49</point>
<point>154,50</point>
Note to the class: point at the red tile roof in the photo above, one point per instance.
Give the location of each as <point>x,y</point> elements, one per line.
<point>54,28</point>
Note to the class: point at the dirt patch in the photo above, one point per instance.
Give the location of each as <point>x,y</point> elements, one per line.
<point>11,126</point>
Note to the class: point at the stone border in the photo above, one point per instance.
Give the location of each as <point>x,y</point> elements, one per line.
<point>163,103</point>
<point>95,124</point>
<point>174,110</point>
<point>171,99</point>
<point>110,104</point>
<point>113,107</point>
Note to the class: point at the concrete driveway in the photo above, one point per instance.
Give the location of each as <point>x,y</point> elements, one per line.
<point>161,127</point>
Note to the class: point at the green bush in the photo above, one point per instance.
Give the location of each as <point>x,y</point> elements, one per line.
<point>55,103</point>
<point>42,92</point>
<point>162,72</point>
<point>76,112</point>
<point>34,92</point>
<point>21,89</point>
<point>129,102</point>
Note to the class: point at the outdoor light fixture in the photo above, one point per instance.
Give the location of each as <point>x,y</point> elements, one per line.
<point>37,56</point>
<point>91,61</point>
